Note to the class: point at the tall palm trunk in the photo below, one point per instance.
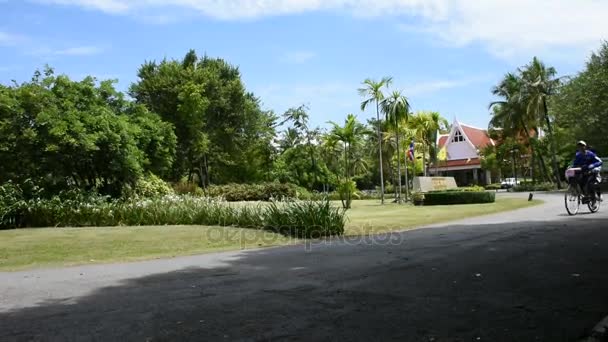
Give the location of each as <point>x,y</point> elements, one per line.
<point>424,159</point>
<point>380,153</point>
<point>398,160</point>
<point>541,159</point>
<point>552,144</point>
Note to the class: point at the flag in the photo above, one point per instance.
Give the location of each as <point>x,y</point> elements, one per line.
<point>410,151</point>
<point>443,154</point>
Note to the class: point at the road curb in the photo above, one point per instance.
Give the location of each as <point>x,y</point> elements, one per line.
<point>599,332</point>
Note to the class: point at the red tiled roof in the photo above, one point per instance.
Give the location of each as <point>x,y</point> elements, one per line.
<point>478,137</point>
<point>459,162</point>
<point>442,140</point>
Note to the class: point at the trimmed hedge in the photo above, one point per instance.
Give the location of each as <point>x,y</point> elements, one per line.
<point>458,197</point>
<point>256,192</point>
<point>463,189</point>
<point>494,186</point>
<point>529,186</point>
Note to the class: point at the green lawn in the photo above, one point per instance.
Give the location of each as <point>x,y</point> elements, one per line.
<point>369,217</point>
<point>48,247</point>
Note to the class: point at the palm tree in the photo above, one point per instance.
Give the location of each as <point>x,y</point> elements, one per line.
<point>372,92</point>
<point>396,109</point>
<point>539,85</point>
<point>512,117</point>
<point>349,136</point>
<point>437,123</point>
<point>427,124</point>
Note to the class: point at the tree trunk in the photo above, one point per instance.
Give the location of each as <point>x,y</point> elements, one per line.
<point>407,182</point>
<point>398,162</point>
<point>207,177</point>
<point>552,144</point>
<point>423,160</point>
<point>541,160</point>
<point>201,175</point>
<point>380,154</point>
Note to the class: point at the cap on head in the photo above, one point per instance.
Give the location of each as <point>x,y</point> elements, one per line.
<point>581,143</point>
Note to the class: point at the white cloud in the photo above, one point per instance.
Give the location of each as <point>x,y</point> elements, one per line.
<point>429,87</point>
<point>79,51</point>
<point>298,57</point>
<point>425,88</point>
<point>109,6</point>
<point>505,27</point>
<point>7,39</point>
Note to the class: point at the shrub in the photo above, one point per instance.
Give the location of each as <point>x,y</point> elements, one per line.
<point>494,186</point>
<point>529,186</point>
<point>254,192</point>
<point>11,202</point>
<point>74,209</point>
<point>473,188</point>
<point>458,197</point>
<point>310,219</point>
<point>187,188</point>
<point>347,190</point>
<point>147,187</point>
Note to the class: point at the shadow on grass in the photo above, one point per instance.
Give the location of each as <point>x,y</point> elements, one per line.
<point>504,282</point>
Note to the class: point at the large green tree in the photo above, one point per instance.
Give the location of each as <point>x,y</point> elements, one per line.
<point>581,107</point>
<point>61,133</point>
<point>222,133</point>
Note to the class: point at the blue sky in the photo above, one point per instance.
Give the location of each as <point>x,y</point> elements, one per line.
<point>444,54</point>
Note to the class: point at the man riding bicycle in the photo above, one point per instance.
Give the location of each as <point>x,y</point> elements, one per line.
<point>591,166</point>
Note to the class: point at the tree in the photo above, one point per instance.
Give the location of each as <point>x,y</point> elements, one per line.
<point>299,117</point>
<point>427,125</point>
<point>581,107</point>
<point>396,109</point>
<point>540,84</point>
<point>372,92</point>
<point>511,116</point>
<point>78,134</point>
<point>218,125</point>
<point>349,136</point>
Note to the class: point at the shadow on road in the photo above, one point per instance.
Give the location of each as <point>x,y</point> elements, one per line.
<point>533,281</point>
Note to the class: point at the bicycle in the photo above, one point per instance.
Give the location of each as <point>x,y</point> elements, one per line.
<point>575,195</point>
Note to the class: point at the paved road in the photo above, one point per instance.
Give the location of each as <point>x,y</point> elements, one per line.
<point>543,278</point>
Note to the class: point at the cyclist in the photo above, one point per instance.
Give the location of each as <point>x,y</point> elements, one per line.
<point>591,166</point>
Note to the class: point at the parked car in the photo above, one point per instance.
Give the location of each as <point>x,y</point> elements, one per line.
<point>508,183</point>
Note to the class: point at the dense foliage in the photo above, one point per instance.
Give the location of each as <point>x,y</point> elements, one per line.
<point>256,192</point>
<point>76,208</point>
<point>59,133</point>
<point>581,107</point>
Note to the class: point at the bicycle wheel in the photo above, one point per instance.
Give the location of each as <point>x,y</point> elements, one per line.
<point>572,200</point>
<point>594,205</point>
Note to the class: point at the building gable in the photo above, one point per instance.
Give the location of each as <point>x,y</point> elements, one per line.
<point>458,144</point>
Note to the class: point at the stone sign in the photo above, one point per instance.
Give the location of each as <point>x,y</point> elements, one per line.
<point>426,184</point>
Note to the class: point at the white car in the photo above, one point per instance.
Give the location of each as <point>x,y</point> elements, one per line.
<point>509,183</point>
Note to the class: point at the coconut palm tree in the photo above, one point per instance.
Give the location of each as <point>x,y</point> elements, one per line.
<point>539,84</point>
<point>372,93</point>
<point>396,109</point>
<point>511,116</point>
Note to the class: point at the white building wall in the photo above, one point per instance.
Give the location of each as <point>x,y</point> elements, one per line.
<point>461,150</point>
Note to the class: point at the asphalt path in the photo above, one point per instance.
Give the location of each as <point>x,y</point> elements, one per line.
<point>533,274</point>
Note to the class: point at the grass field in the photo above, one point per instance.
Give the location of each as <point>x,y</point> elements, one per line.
<point>53,247</point>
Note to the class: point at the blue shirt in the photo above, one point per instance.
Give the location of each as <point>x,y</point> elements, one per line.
<point>588,159</point>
